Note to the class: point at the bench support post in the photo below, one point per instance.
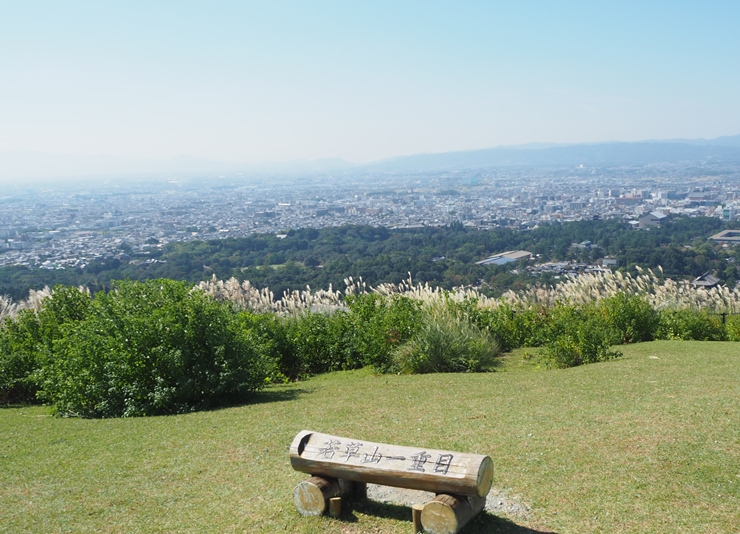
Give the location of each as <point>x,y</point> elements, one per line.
<point>335,507</point>
<point>447,514</point>
<point>416,518</point>
<point>311,497</point>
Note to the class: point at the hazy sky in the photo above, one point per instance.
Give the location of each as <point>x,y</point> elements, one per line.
<point>273,81</point>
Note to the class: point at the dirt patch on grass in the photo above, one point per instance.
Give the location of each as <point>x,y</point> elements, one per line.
<point>497,503</point>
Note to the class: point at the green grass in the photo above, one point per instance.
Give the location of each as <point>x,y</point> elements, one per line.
<point>646,443</point>
<point>521,359</point>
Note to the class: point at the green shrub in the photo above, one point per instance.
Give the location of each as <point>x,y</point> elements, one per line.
<point>319,343</point>
<point>733,328</point>
<point>572,334</point>
<point>562,352</point>
<point>632,316</point>
<point>446,343</point>
<point>579,335</point>
<point>380,324</point>
<point>560,320</point>
<point>27,341</point>
<point>539,325</point>
<point>690,325</point>
<point>19,358</point>
<point>152,347</point>
<point>503,323</point>
<point>269,340</point>
<point>588,346</point>
<point>627,318</point>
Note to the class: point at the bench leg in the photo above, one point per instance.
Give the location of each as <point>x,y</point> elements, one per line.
<point>311,497</point>
<point>447,514</point>
<point>335,507</point>
<point>416,510</point>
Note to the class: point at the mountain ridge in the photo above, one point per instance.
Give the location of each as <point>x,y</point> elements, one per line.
<point>26,164</point>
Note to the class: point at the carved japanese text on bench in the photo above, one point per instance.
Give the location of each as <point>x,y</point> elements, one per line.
<point>391,465</point>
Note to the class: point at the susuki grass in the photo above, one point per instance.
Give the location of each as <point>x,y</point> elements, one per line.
<point>244,296</point>
<point>661,293</point>
<point>647,443</point>
<point>35,299</point>
<point>446,342</point>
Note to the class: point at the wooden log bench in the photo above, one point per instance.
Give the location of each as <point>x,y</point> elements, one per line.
<point>341,466</point>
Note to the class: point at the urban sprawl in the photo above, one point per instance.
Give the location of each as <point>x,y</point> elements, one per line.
<point>69,225</point>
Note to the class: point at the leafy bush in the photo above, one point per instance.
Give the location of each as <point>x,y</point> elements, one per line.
<point>690,325</point>
<point>446,343</point>
<point>579,335</point>
<point>27,341</point>
<point>269,340</point>
<point>319,343</point>
<point>573,335</point>
<point>589,345</point>
<point>147,348</point>
<point>380,324</point>
<point>534,326</point>
<point>537,325</point>
<point>631,315</point>
<point>18,358</point>
<point>733,328</point>
<point>505,324</point>
<point>560,320</point>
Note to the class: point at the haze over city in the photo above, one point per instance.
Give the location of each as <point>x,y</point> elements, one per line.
<point>176,84</point>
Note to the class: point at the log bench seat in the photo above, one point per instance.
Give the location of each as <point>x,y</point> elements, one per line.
<point>342,466</point>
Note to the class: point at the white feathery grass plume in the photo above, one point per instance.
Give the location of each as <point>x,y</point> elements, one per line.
<point>8,308</point>
<point>34,302</point>
<point>660,293</point>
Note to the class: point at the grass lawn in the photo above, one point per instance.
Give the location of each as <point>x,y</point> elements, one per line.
<point>646,443</point>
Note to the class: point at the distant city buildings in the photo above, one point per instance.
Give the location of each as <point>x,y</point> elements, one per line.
<point>506,257</point>
<point>71,226</point>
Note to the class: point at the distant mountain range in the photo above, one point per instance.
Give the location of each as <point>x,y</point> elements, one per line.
<point>19,165</point>
<point>720,150</point>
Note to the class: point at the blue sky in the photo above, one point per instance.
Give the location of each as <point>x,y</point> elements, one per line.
<point>276,81</point>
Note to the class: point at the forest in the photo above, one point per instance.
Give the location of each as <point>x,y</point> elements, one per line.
<point>441,256</point>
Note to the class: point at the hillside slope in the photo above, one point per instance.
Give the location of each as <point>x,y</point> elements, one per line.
<point>646,443</point>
